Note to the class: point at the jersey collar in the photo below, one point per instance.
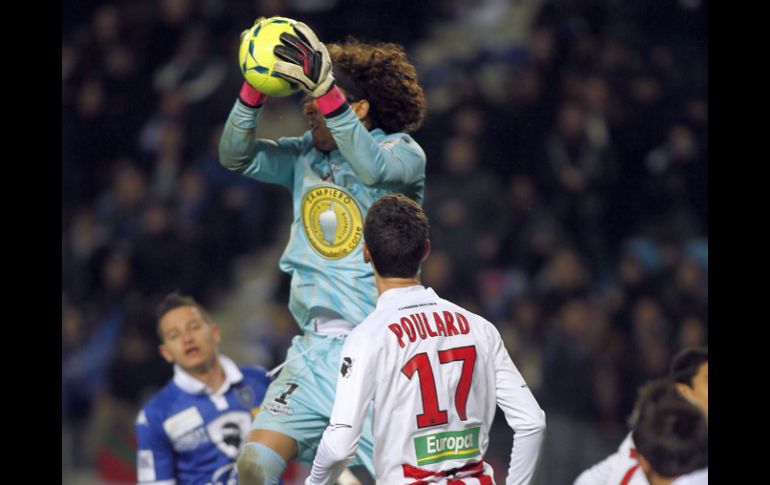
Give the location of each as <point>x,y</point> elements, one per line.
<point>397,296</point>
<point>191,385</point>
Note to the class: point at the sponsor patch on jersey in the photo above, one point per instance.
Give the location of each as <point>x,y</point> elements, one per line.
<point>190,440</point>
<point>145,466</point>
<point>229,430</point>
<point>347,367</point>
<point>332,221</point>
<point>182,423</point>
<point>449,445</point>
<point>275,408</point>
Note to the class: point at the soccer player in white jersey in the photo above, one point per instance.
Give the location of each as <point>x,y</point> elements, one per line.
<point>689,372</point>
<point>671,436</point>
<point>433,370</point>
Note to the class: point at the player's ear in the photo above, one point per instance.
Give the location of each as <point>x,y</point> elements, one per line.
<point>367,256</point>
<point>683,389</point>
<point>361,108</point>
<point>687,392</point>
<point>426,251</point>
<point>165,354</point>
<point>216,333</point>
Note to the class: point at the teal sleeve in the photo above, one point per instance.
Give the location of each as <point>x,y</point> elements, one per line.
<point>240,150</point>
<point>397,159</point>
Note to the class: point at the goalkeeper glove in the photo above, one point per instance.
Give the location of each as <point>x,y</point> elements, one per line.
<point>305,61</point>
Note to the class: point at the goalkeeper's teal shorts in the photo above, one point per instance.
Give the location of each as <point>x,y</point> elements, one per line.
<point>299,402</point>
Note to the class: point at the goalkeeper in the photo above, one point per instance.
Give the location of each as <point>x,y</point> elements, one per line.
<point>362,101</point>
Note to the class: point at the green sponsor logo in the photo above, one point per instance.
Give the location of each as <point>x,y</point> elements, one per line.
<point>449,445</point>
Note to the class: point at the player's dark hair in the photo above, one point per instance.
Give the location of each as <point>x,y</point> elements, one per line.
<point>685,364</point>
<point>395,232</point>
<point>669,432</point>
<point>175,300</point>
<point>652,392</point>
<point>383,72</point>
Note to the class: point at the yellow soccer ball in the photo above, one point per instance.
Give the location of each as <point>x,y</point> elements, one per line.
<point>256,56</point>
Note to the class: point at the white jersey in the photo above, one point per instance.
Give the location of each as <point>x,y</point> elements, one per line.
<point>620,468</point>
<point>434,372</point>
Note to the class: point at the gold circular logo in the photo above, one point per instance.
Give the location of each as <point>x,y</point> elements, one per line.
<point>332,221</point>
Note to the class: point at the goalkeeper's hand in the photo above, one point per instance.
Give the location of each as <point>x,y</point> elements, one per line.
<point>305,61</point>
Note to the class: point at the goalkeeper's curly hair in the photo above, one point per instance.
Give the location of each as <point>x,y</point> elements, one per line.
<point>396,100</point>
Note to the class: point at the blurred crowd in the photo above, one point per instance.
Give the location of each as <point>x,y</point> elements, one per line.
<point>567,189</point>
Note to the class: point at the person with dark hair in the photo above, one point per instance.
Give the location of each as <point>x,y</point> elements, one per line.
<point>689,376</point>
<point>363,100</point>
<point>690,372</point>
<point>671,436</point>
<point>432,372</point>
<point>191,431</point>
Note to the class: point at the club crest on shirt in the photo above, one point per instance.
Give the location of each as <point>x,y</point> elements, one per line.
<point>347,367</point>
<point>332,221</point>
<point>245,396</point>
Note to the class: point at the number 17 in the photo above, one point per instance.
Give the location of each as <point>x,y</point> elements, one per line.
<point>432,415</point>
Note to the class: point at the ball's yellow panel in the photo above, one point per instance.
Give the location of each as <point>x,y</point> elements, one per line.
<point>256,56</point>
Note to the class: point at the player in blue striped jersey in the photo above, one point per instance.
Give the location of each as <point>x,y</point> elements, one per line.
<point>191,431</point>
<point>357,150</point>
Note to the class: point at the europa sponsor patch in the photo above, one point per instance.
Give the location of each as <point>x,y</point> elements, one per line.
<point>449,445</point>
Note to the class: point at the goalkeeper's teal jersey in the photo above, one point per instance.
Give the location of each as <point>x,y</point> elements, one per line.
<point>332,193</point>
